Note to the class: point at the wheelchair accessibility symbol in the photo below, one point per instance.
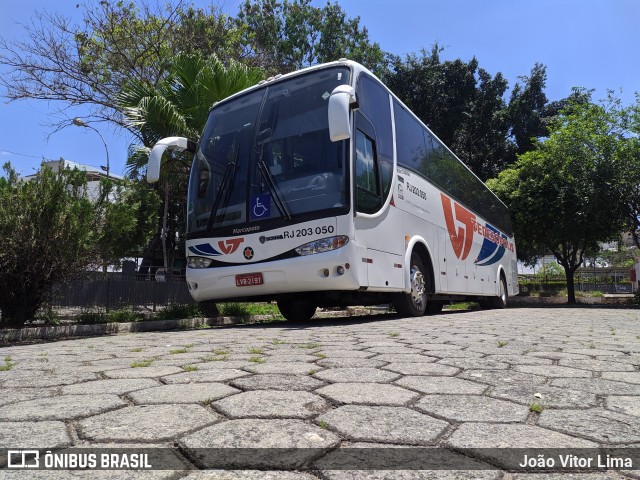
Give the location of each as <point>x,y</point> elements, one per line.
<point>260,206</point>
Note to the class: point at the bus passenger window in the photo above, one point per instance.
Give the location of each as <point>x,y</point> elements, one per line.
<point>368,198</point>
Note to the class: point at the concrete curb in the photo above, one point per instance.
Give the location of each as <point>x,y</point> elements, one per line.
<point>57,332</point>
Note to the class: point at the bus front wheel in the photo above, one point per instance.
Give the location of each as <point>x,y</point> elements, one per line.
<point>296,310</point>
<point>414,304</point>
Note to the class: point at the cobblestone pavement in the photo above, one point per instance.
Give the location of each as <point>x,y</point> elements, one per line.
<point>521,378</point>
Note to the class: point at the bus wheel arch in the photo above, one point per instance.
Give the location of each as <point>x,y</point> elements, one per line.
<point>420,269</point>
<point>500,301</point>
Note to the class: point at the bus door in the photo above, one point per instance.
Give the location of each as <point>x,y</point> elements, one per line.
<point>380,235</point>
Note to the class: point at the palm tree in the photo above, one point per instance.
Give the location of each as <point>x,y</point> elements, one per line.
<point>178,105</point>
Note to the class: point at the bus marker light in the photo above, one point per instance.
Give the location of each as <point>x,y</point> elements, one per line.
<point>325,272</point>
<point>340,270</point>
<point>347,266</point>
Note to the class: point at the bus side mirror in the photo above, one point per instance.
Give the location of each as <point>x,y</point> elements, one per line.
<point>155,157</point>
<point>340,102</point>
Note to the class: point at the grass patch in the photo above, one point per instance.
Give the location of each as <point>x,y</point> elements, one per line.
<point>463,306</point>
<point>323,424</point>
<point>319,355</point>
<point>393,334</point>
<point>189,368</point>
<point>502,343</point>
<point>232,309</point>
<point>8,364</point>
<point>136,350</point>
<point>142,363</point>
<point>278,342</point>
<point>211,358</point>
<point>123,315</point>
<point>48,316</point>
<point>177,351</point>
<point>256,350</point>
<point>536,407</point>
<point>257,360</point>
<point>220,351</point>
<point>312,372</point>
<point>179,311</point>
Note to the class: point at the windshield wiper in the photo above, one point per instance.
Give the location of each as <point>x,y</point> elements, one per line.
<point>271,184</point>
<point>228,173</point>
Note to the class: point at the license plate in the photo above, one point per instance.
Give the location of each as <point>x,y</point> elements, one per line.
<point>249,279</point>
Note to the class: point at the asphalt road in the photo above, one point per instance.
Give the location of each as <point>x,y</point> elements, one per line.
<point>293,396</point>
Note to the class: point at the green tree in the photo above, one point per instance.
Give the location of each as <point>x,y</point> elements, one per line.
<point>87,64</point>
<point>128,219</point>
<point>177,106</point>
<point>289,35</point>
<point>566,195</point>
<point>460,102</point>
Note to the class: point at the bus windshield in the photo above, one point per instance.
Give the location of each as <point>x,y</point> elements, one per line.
<point>267,155</point>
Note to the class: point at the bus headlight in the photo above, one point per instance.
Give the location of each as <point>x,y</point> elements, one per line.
<point>323,245</point>
<point>199,262</point>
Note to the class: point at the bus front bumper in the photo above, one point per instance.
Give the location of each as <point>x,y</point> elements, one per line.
<point>334,270</point>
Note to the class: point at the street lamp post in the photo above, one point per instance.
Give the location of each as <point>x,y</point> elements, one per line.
<point>81,123</point>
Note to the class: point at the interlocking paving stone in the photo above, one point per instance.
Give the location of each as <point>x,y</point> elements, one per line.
<point>278,382</point>
<point>114,386</point>
<point>547,397</point>
<point>592,352</point>
<point>346,362</point>
<point>624,404</point>
<point>422,369</point>
<point>347,353</point>
<point>599,386</point>
<point>455,385</point>
<point>146,423</point>
<point>472,408</point>
<point>205,376</point>
<point>598,365</point>
<point>281,358</point>
<point>368,394</point>
<point>182,393</point>
<point>272,404</point>
<point>569,476</point>
<point>64,407</point>
<point>399,350</point>
<point>40,434</point>
<point>221,365</point>
<point>502,377</point>
<point>143,372</point>
<point>29,379</point>
<point>360,375</point>
<point>405,357</point>
<point>553,371</point>
<point>558,355</point>
<point>628,377</point>
<point>303,441</point>
<point>284,367</point>
<point>248,475</point>
<point>520,359</point>
<point>479,363</point>
<point>511,435</point>
<point>384,424</point>
<point>20,395</point>
<point>596,423</point>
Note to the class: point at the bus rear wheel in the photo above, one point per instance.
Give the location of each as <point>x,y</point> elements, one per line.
<point>501,300</point>
<point>414,304</point>
<point>296,310</point>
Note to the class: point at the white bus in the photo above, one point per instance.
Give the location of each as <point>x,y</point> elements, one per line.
<point>321,188</point>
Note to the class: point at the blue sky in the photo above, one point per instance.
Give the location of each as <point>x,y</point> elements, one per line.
<point>587,43</point>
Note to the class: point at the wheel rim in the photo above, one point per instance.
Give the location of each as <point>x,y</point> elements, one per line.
<point>417,287</point>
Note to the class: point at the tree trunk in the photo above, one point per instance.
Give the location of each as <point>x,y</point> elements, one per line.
<point>571,288</point>
<point>165,216</point>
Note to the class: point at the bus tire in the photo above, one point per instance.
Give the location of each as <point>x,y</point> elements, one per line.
<point>414,303</point>
<point>501,300</point>
<point>295,310</point>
